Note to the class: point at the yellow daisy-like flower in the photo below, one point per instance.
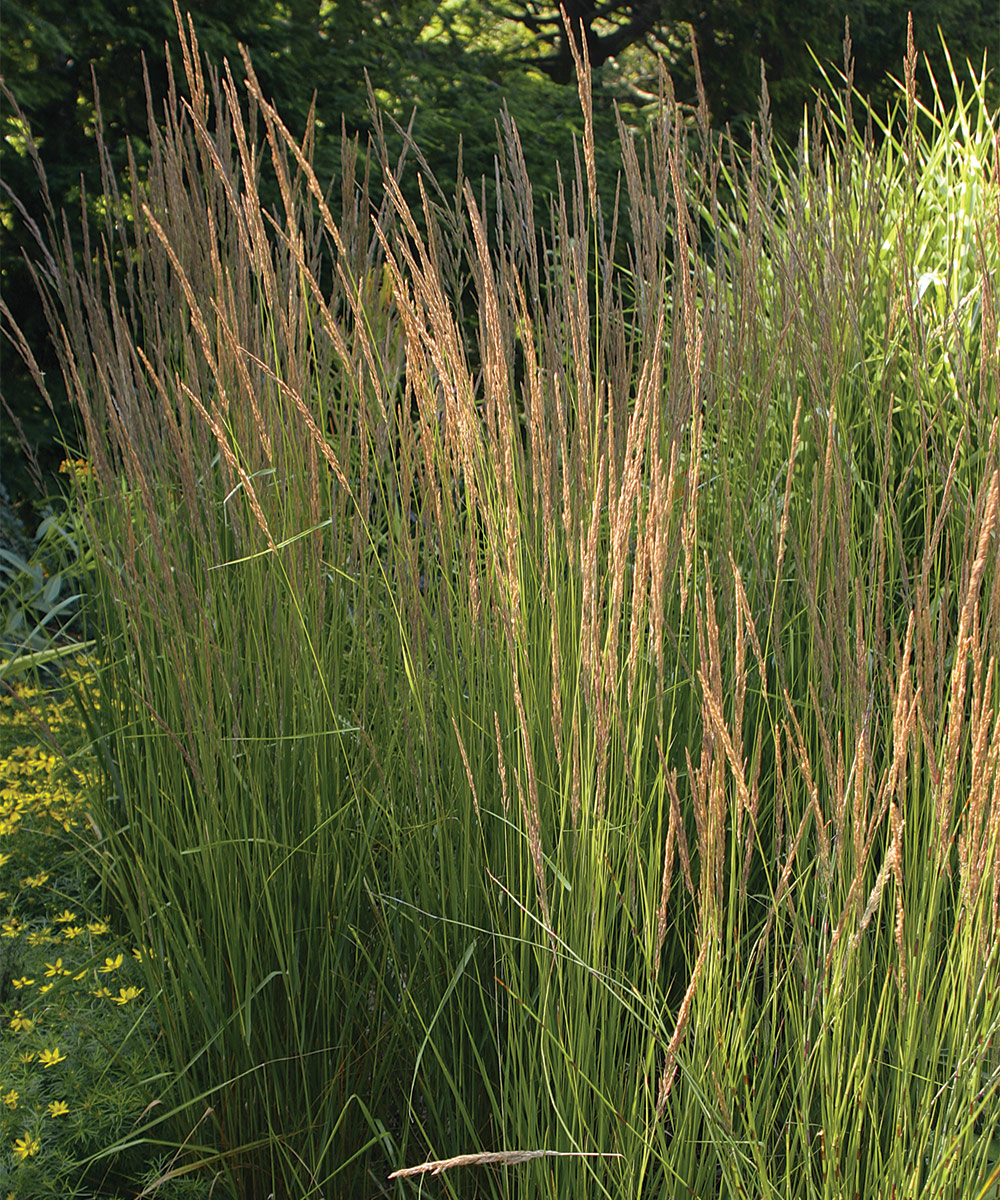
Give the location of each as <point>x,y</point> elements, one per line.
<point>54,969</point>
<point>97,928</point>
<point>4,859</point>
<point>101,993</point>
<point>72,931</point>
<point>11,1098</point>
<point>35,881</point>
<point>11,928</point>
<point>127,994</point>
<point>58,1108</point>
<point>66,917</point>
<point>111,964</point>
<point>49,1058</point>
<point>23,982</point>
<point>78,467</point>
<point>25,1057</point>
<point>20,1023</point>
<point>46,987</point>
<point>26,1146</point>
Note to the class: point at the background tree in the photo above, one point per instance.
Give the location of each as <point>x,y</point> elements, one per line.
<point>626,38</point>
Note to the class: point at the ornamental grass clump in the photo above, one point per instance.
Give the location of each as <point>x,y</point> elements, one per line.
<point>549,710</point>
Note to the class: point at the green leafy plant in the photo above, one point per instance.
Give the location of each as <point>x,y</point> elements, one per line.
<point>76,1040</point>
<point>40,596</point>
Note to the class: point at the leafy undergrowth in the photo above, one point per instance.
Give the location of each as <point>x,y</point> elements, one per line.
<point>77,1044</point>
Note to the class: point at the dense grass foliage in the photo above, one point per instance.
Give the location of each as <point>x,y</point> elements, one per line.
<point>575,745</point>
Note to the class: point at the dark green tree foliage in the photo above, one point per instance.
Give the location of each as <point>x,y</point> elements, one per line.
<point>606,30</point>
<point>625,37</point>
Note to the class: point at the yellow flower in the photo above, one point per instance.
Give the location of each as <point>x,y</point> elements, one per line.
<point>127,994</point>
<point>25,1057</point>
<point>111,964</point>
<point>25,1147</point>
<point>97,927</point>
<point>49,1058</point>
<point>10,928</point>
<point>46,987</point>
<point>22,982</point>
<point>72,931</point>
<point>4,859</point>
<point>19,1022</point>
<point>78,467</point>
<point>58,1108</point>
<point>101,992</point>
<point>34,881</point>
<point>66,917</point>
<point>56,968</point>
<point>11,1098</point>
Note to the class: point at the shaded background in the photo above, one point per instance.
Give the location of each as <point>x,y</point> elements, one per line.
<point>455,63</point>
